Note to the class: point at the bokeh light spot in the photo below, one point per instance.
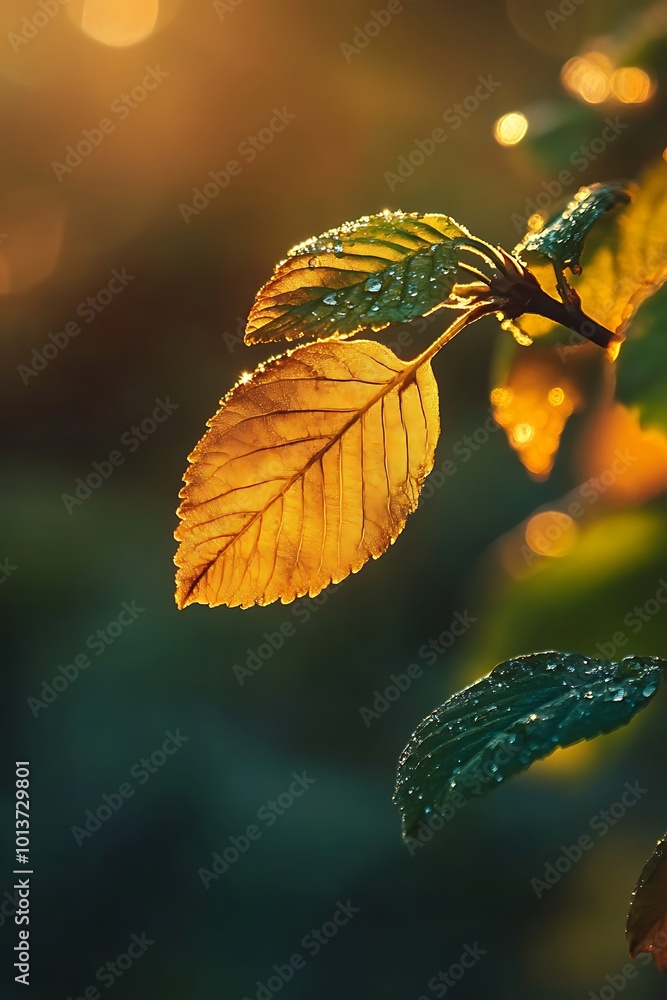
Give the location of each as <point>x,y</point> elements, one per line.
<point>117,22</point>
<point>535,223</point>
<point>510,129</point>
<point>522,433</point>
<point>551,533</point>
<point>632,85</point>
<point>588,77</point>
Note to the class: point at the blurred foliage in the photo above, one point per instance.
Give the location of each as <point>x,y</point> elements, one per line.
<point>643,363</point>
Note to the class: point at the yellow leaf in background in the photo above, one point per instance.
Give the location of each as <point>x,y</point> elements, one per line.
<point>309,469</point>
<point>532,404</point>
<point>626,462</point>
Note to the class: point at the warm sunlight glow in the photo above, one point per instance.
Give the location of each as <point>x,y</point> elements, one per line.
<point>501,396</point>
<point>632,85</point>
<point>117,22</point>
<point>628,462</point>
<point>32,222</point>
<point>521,434</point>
<point>533,411</point>
<point>551,533</point>
<point>535,223</point>
<point>588,77</point>
<point>510,129</point>
<point>566,761</point>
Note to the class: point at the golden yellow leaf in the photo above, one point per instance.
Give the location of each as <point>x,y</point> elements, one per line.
<point>309,469</point>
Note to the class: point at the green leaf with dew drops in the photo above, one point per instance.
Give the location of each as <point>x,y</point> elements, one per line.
<point>381,269</point>
<point>563,237</point>
<point>521,712</point>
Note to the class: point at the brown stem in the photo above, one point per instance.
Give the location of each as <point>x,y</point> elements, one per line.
<point>573,318</point>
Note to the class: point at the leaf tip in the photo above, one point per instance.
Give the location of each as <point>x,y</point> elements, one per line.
<point>653,943</point>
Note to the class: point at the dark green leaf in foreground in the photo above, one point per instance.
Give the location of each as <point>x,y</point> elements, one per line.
<point>520,713</point>
<point>562,238</point>
<point>381,269</point>
<point>646,929</point>
<point>642,363</point>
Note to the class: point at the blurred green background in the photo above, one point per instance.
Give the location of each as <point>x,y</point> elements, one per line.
<point>182,90</point>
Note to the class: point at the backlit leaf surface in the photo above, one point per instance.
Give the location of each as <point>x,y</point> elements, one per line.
<point>646,928</point>
<point>309,469</point>
<point>381,269</point>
